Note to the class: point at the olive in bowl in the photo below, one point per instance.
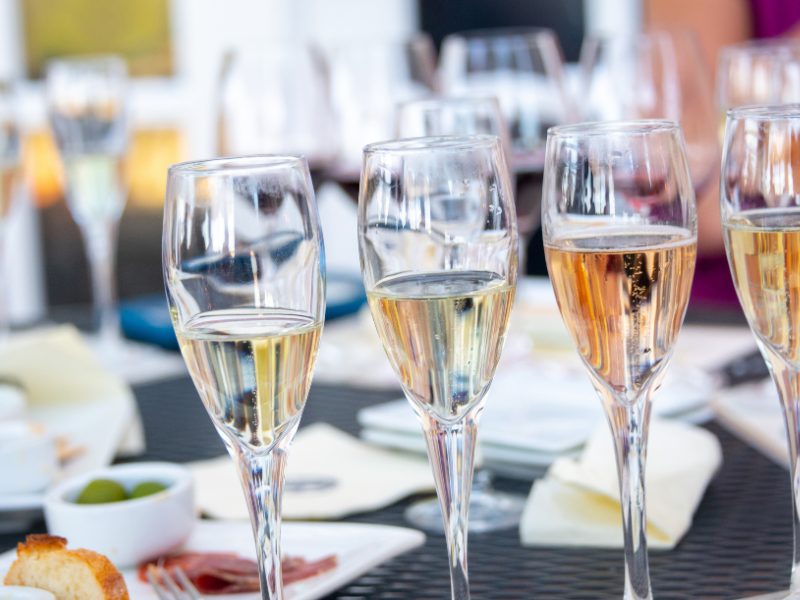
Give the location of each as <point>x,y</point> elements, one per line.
<point>128,530</point>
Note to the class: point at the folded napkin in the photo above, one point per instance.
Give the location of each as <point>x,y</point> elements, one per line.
<point>329,475</point>
<point>55,366</point>
<point>577,502</point>
<point>71,394</point>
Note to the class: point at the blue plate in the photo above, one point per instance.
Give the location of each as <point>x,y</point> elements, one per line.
<point>146,318</point>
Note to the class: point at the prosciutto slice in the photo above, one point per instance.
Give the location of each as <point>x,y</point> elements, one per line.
<point>224,573</point>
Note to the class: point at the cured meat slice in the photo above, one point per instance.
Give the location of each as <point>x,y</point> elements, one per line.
<point>225,573</point>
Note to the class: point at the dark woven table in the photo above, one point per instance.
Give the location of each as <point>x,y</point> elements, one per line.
<point>740,543</point>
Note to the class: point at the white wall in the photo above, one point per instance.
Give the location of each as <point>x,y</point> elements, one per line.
<point>612,17</point>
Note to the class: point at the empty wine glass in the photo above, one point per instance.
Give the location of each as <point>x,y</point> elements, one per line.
<point>9,173</point>
<point>524,69</point>
<point>438,245</point>
<point>244,274</point>
<point>273,98</point>
<point>368,79</point>
<point>760,203</point>
<point>655,75</point>
<point>757,72</point>
<point>87,103</point>
<point>620,234</point>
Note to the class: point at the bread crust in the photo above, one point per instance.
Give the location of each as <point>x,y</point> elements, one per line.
<point>106,575</point>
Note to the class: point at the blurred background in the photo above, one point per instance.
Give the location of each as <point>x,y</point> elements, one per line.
<point>323,78</point>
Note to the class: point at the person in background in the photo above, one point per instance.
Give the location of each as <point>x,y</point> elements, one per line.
<point>720,23</point>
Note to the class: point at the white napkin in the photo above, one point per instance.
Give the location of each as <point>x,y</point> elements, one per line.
<point>340,474</point>
<point>55,366</point>
<point>61,375</point>
<point>577,502</point>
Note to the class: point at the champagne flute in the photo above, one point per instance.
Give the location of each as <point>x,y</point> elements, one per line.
<point>9,171</point>
<point>87,102</point>
<point>655,75</point>
<point>620,236</point>
<point>438,245</point>
<point>489,509</point>
<point>244,272</point>
<point>760,203</point>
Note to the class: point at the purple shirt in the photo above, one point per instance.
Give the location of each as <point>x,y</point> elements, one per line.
<point>772,18</point>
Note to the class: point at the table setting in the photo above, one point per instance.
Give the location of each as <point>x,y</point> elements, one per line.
<point>355,390</point>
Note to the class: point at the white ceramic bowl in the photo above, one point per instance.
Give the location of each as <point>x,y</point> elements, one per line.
<point>28,461</point>
<point>131,531</point>
<point>18,592</point>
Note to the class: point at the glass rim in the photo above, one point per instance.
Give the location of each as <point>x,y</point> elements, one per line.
<point>490,34</point>
<point>765,112</point>
<point>450,101</point>
<point>623,127</point>
<point>237,164</point>
<point>433,143</point>
<point>761,46</point>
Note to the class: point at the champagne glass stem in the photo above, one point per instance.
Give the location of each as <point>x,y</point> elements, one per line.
<point>451,449</point>
<point>262,477</point>
<point>787,380</point>
<point>629,429</point>
<point>101,244</point>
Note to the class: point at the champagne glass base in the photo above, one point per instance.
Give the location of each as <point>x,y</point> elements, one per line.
<point>488,511</point>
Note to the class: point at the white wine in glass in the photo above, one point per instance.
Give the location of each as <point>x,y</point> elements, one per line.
<point>438,245</point>
<point>760,205</point>
<point>244,273</point>
<point>620,234</point>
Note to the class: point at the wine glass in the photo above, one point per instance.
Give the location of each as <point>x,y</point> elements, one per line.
<point>438,245</point>
<point>760,204</point>
<point>757,72</point>
<point>489,509</point>
<point>655,75</point>
<point>273,98</point>
<point>524,69</point>
<point>620,234</point>
<point>368,78</point>
<point>9,172</point>
<point>244,273</point>
<point>87,104</point>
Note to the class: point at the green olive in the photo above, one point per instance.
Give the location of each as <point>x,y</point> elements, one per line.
<point>147,488</point>
<point>102,491</point>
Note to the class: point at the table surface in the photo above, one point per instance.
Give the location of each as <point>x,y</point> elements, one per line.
<point>740,543</point>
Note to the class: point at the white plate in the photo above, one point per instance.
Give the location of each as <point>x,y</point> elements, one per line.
<point>534,416</point>
<point>357,547</point>
<point>96,426</point>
